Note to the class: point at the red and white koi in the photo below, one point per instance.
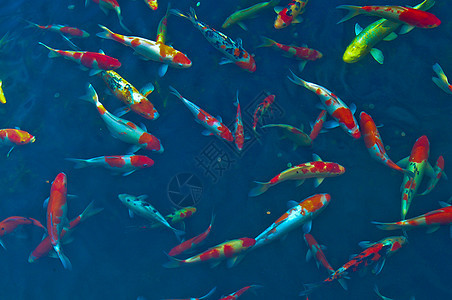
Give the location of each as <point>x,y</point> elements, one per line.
<point>153,4</point>
<point>214,126</point>
<point>317,169</point>
<point>239,293</point>
<point>300,53</point>
<point>316,128</point>
<point>301,214</point>
<point>97,62</point>
<point>63,29</point>
<point>335,107</point>
<point>45,246</point>
<point>433,219</point>
<point>373,254</point>
<point>441,81</point>
<point>129,95</point>
<point>233,50</point>
<point>417,163</point>
<point>374,144</point>
<point>291,14</point>
<point>438,172</point>
<point>107,5</point>
<point>149,50</point>
<point>57,216</point>
<point>192,243</point>
<point>261,109</point>
<point>232,250</point>
<point>10,224</point>
<point>126,164</point>
<point>124,130</point>
<point>315,250</point>
<point>15,137</point>
<point>239,136</point>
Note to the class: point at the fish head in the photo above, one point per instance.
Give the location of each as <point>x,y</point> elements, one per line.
<point>150,142</point>
<point>126,199</point>
<point>421,150</point>
<point>20,137</point>
<point>282,20</point>
<point>141,161</point>
<point>180,60</point>
<point>355,52</point>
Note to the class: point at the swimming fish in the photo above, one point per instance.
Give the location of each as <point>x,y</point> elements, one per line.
<point>291,14</point>
<point>10,224</point>
<point>239,136</point>
<point>247,13</point>
<point>441,81</point>
<point>15,137</point>
<point>317,126</point>
<point>162,28</point>
<point>238,293</point>
<point>106,5</point>
<point>438,172</point>
<point>316,250</point>
<point>125,164</point>
<point>62,29</point>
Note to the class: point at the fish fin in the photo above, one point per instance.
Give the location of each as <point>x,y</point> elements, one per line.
<point>147,89</point>
<point>297,80</point>
<point>377,55</point>
<point>444,175</point>
<point>343,283</point>
<point>297,20</point>
<point>291,204</point>
<point>392,36</point>
<point>352,108</point>
<point>307,226</point>
<point>207,132</point>
<point>442,85</point>
<point>266,42</point>
<point>91,95</point>
<point>403,163</point>
<point>233,261</point>
<point>318,181</point>
<point>9,152</point>
<point>299,182</point>
<point>316,157</point>
<point>331,124</point>
<point>131,215</point>
<point>142,197</point>
<point>79,163</point>
<point>46,202</point>
<point>302,65</point>
<point>443,204</point>
<point>65,261</point>
<point>3,245</point>
<point>90,211</point>
<point>358,29</point>
<point>52,254</point>
<point>365,244</point>
<point>133,149</point>
<point>377,269</point>
<point>432,229</point>
<point>308,255</point>
<point>353,11</point>
<point>73,46</point>
<point>386,226</point>
<point>261,188</point>
<point>210,293</point>
<point>225,61</point>
<point>173,263</point>
<point>162,70</point>
<point>93,72</point>
<point>122,24</point>
<point>310,287</point>
<point>143,127</point>
<point>278,9</point>
<point>121,111</point>
<point>439,71</point>
<point>429,171</point>
<point>215,264</point>
<point>128,173</point>
<point>242,25</point>
<point>406,28</point>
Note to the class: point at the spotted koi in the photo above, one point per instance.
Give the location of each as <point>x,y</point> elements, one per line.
<point>291,14</point>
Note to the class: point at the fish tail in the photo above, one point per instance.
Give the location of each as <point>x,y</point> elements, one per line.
<point>297,80</point>
<point>178,232</point>
<point>63,258</point>
<point>106,34</point>
<point>387,226</point>
<point>310,287</point>
<point>178,13</point>
<point>261,188</point>
<point>353,11</point>
<point>91,95</point>
<point>79,163</point>
<point>37,223</point>
<point>439,71</point>
<point>176,93</point>
<point>90,211</point>
<point>173,263</point>
<point>266,42</point>
<point>31,24</point>
<point>120,18</point>
<point>53,53</point>
<point>210,293</point>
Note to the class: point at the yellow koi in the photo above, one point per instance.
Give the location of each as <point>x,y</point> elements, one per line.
<point>247,13</point>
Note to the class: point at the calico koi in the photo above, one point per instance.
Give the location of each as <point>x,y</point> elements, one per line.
<point>126,164</point>
<point>214,126</point>
<point>316,128</point>
<point>10,224</point>
<point>124,130</point>
<point>261,109</point>
<point>333,105</point>
<point>247,13</point>
<point>176,217</point>
<point>233,50</point>
<point>315,250</point>
<point>15,137</point>
<point>239,136</point>
<point>441,81</point>
<point>317,169</point>
<point>153,4</point>
<point>63,29</point>
<point>107,5</point>
<point>97,62</point>
<point>291,14</point>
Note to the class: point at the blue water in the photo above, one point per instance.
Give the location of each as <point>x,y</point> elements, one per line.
<point>111,261</point>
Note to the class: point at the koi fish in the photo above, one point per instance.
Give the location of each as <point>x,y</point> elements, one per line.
<point>45,247</point>
<point>192,243</point>
<point>441,81</point>
<point>233,50</point>
<point>300,214</point>
<point>316,128</point>
<point>137,205</point>
<point>238,293</point>
<point>374,144</point>
<point>438,172</point>
<point>418,164</point>
<point>62,29</point>
<point>107,5</point>
<point>129,95</point>
<point>317,169</point>
<point>297,136</point>
<point>15,137</point>
<point>97,62</point>
<point>410,16</point>
<point>10,224</point>
<point>57,216</point>
<point>124,130</point>
<point>176,217</point>
<point>232,250</point>
<point>126,164</point>
<point>315,250</point>
<point>149,50</point>
<point>433,219</point>
<point>213,126</point>
<point>247,13</point>
<point>153,4</point>
<point>162,28</point>
<point>2,95</point>
<point>333,105</point>
<point>261,109</point>
<point>291,14</point>
<point>239,137</point>
<point>373,254</point>
<point>210,293</point>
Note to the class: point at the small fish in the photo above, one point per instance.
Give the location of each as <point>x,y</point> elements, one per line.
<point>97,62</point>
<point>316,128</point>
<point>233,50</point>
<point>374,144</point>
<point>2,95</point>
<point>138,205</point>
<point>124,130</point>
<point>45,247</point>
<point>291,14</point>
<point>433,219</point>
<point>126,164</point>
<point>15,137</point>
<point>438,171</point>
<point>57,216</point>
<point>63,29</point>
<point>153,4</point>
<point>149,50</point>
<point>300,214</point>
<point>317,169</point>
<point>192,243</point>
<point>335,107</point>
<point>261,109</point>
<point>441,81</point>
<point>297,136</point>
<point>162,28</point>
<point>210,293</point>
<point>417,163</point>
<point>232,250</point>
<point>238,293</point>
<point>239,136</point>
<point>130,96</point>
<point>214,126</point>
<point>410,16</point>
<point>106,5</point>
<point>315,250</point>
<point>10,224</point>
<point>374,254</point>
<point>247,13</point>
